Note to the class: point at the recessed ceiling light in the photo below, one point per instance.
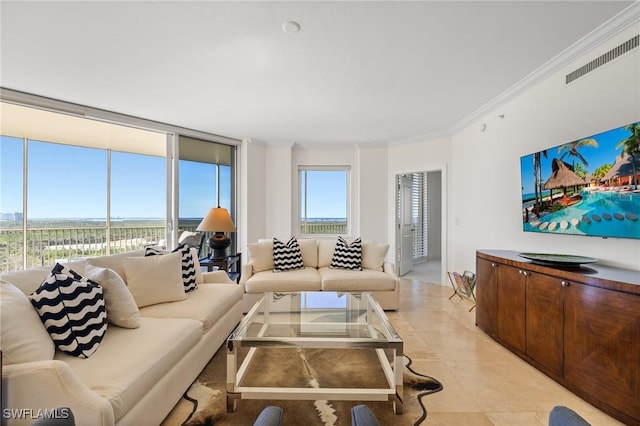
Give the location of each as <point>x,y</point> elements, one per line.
<point>291,27</point>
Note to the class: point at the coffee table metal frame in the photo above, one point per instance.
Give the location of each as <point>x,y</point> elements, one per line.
<point>371,337</point>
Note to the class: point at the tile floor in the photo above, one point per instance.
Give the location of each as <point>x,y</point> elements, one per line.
<point>484,384</point>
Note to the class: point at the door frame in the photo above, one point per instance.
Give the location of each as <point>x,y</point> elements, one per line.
<point>444,227</point>
<point>401,227</point>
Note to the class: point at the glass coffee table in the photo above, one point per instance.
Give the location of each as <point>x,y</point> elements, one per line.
<point>321,320</point>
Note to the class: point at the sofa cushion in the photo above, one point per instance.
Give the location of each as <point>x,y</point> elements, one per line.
<point>72,310</point>
<point>286,257</point>
<point>261,256</point>
<point>373,255</point>
<point>306,279</point>
<point>347,255</point>
<point>28,280</point>
<point>155,279</point>
<point>188,265</point>
<point>115,261</point>
<point>207,304</point>
<point>121,307</point>
<point>130,362</point>
<point>325,252</point>
<point>347,280</point>
<point>309,250</point>
<point>23,338</point>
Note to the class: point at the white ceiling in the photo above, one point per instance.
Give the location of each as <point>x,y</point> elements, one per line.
<point>357,72</point>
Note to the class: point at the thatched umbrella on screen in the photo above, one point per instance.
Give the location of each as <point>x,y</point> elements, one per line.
<point>623,167</point>
<point>562,176</point>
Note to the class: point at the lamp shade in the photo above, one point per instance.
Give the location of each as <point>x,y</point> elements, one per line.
<point>217,220</point>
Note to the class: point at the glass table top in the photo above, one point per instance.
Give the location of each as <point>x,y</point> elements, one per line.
<point>336,319</point>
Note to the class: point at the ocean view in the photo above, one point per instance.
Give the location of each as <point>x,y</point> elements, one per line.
<point>50,240</point>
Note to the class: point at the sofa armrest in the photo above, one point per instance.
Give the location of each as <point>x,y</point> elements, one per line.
<point>247,271</point>
<point>217,277</point>
<point>40,385</point>
<point>390,268</point>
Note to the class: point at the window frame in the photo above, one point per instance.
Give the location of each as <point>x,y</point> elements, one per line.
<point>300,207</point>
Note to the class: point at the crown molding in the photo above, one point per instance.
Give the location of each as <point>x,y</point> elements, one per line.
<point>421,138</point>
<point>618,23</point>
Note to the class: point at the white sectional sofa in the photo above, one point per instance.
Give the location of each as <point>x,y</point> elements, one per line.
<point>136,375</point>
<point>377,276</point>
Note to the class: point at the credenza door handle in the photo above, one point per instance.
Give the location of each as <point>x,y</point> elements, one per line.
<point>565,283</point>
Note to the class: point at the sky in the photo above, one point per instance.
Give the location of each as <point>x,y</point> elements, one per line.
<point>65,181</point>
<point>327,193</point>
<point>605,153</point>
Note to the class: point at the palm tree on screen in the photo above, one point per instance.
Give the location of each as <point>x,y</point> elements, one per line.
<point>572,149</point>
<point>631,146</point>
<point>537,175</point>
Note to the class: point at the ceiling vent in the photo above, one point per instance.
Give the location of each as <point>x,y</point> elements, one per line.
<point>628,45</point>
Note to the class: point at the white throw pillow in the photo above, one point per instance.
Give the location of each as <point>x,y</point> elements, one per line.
<point>155,279</point>
<point>23,337</point>
<point>27,280</point>
<point>261,256</point>
<point>373,254</point>
<point>121,307</point>
<point>188,264</point>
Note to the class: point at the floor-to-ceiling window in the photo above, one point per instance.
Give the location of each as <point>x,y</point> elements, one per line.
<point>205,181</point>
<point>11,203</point>
<point>66,202</point>
<point>137,199</point>
<point>74,187</point>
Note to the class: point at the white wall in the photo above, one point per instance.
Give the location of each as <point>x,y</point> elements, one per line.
<point>277,208</point>
<point>252,193</point>
<point>270,187</point>
<point>372,166</point>
<point>480,170</point>
<point>485,207</point>
<point>434,215</point>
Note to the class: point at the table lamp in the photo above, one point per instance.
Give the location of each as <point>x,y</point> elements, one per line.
<point>218,221</point>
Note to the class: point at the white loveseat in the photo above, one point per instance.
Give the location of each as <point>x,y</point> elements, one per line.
<point>136,375</point>
<point>377,276</point>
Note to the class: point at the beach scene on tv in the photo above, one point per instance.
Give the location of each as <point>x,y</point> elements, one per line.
<point>585,187</point>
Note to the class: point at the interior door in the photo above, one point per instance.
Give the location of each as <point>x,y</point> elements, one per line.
<point>405,223</point>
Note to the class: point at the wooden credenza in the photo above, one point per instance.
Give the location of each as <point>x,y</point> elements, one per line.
<point>580,326</point>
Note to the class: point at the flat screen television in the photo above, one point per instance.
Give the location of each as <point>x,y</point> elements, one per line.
<point>590,186</point>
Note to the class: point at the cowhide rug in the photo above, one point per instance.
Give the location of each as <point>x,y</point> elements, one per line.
<point>205,402</point>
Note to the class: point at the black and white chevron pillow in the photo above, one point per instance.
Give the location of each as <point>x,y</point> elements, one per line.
<point>287,257</point>
<point>347,256</point>
<point>188,264</point>
<point>72,310</point>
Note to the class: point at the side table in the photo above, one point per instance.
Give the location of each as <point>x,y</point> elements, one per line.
<point>231,264</point>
